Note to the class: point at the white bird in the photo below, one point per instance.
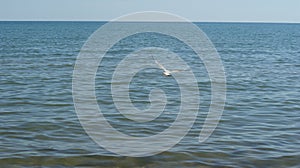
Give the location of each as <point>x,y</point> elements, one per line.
<point>165,71</point>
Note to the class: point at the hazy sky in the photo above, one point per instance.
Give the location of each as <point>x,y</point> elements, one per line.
<point>195,10</point>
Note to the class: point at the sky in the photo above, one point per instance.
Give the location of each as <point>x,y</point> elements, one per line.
<point>194,10</point>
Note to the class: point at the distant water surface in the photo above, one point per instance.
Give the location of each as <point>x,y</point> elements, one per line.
<point>260,126</point>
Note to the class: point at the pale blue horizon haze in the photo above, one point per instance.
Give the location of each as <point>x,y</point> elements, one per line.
<point>194,10</point>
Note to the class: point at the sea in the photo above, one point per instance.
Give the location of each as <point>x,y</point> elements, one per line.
<point>259,127</point>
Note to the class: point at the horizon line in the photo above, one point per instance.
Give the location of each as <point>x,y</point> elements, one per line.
<point>271,22</point>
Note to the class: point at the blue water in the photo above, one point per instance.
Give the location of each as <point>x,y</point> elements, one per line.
<point>259,126</point>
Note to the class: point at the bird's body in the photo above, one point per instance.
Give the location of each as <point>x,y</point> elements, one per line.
<point>165,71</point>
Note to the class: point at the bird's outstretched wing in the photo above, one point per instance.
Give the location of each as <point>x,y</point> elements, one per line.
<point>161,66</point>
<point>174,71</point>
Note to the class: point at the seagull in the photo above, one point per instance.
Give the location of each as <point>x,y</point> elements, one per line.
<point>165,71</point>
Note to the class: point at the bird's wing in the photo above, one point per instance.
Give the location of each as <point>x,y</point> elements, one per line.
<point>162,67</point>
<point>179,70</point>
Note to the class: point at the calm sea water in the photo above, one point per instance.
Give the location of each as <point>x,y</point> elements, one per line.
<point>260,126</point>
